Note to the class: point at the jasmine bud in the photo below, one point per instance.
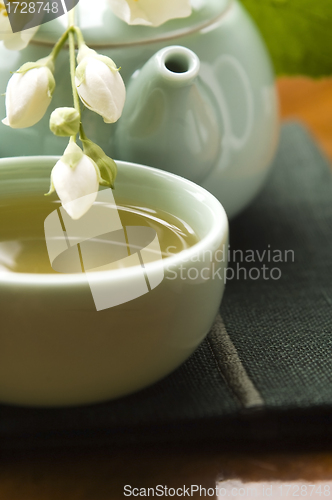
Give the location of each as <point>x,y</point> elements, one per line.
<point>99,84</point>
<point>29,93</point>
<point>75,179</point>
<point>65,122</point>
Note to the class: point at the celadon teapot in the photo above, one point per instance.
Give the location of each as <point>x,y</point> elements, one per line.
<point>234,70</point>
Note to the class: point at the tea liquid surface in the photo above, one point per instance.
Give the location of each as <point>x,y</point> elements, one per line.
<point>22,241</point>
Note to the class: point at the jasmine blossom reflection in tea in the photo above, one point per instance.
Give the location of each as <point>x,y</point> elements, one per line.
<point>22,241</point>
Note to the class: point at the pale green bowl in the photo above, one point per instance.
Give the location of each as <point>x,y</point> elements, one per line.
<point>56,349</point>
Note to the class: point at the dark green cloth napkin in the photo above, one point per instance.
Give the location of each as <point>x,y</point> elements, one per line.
<point>265,369</point>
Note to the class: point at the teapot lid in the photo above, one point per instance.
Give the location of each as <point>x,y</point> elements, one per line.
<point>101,28</point>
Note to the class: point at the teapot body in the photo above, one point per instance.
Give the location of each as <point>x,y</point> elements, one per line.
<point>234,66</point>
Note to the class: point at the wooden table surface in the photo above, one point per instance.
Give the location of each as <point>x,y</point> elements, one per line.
<point>311,102</point>
<point>101,474</point>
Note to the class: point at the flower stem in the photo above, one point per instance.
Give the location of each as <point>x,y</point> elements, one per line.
<point>59,44</point>
<point>82,133</point>
<point>80,39</point>
<point>72,55</point>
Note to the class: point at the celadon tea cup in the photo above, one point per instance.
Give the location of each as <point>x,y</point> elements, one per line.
<point>57,348</point>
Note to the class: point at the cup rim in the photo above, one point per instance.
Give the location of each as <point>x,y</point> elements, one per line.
<point>219,227</point>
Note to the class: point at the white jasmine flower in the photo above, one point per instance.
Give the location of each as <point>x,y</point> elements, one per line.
<point>99,84</point>
<point>75,179</point>
<point>29,93</point>
<point>150,12</point>
<point>13,41</point>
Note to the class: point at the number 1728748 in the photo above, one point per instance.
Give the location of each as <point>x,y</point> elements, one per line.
<point>32,7</point>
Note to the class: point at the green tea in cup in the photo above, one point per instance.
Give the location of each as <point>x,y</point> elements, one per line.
<point>22,240</point>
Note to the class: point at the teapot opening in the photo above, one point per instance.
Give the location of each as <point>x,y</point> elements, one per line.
<point>178,63</point>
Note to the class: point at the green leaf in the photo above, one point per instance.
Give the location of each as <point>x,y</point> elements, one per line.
<point>298,34</point>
